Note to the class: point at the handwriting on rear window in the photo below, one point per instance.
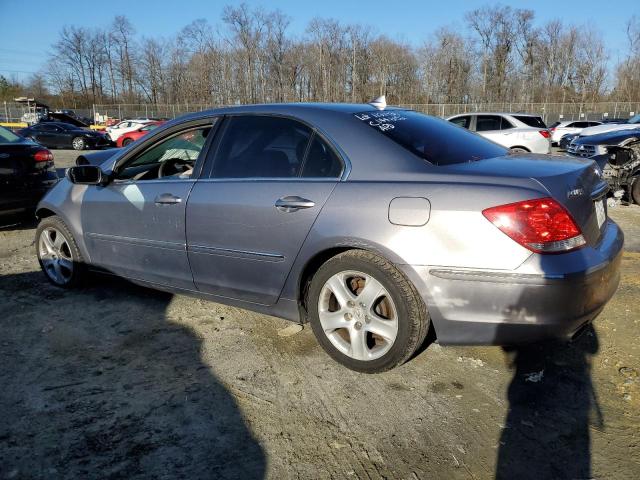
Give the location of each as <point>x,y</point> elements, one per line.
<point>381,120</point>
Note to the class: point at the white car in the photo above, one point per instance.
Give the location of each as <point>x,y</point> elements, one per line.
<point>560,129</point>
<point>126,126</point>
<point>519,132</point>
<point>633,122</point>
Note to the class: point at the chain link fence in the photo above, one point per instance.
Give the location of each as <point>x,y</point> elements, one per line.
<point>550,112</point>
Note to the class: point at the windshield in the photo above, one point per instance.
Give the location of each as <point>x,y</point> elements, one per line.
<point>634,119</point>
<point>7,136</point>
<point>435,140</point>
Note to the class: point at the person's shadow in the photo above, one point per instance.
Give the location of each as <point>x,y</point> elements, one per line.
<point>99,383</point>
<point>552,404</point>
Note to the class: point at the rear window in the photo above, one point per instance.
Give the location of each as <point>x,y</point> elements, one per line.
<point>555,124</point>
<point>7,136</point>
<point>435,140</point>
<point>535,122</point>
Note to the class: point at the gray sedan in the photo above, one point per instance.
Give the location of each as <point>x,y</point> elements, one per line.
<point>373,224</point>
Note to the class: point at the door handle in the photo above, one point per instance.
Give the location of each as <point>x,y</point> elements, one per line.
<point>167,199</point>
<point>293,203</point>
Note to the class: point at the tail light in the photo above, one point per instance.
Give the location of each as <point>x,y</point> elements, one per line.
<point>544,133</point>
<point>43,156</point>
<point>541,225</point>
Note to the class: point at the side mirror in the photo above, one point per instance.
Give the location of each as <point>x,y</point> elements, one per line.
<point>86,175</point>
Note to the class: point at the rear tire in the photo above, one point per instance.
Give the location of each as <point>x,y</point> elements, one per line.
<point>78,143</point>
<point>126,142</point>
<point>518,150</point>
<point>372,330</point>
<point>58,253</point>
<point>635,190</point>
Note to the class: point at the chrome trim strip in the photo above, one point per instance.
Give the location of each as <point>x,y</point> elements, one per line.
<point>230,252</point>
<point>518,278</point>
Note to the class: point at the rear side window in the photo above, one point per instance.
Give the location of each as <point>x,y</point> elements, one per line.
<point>321,161</point>
<point>505,124</point>
<point>464,122</point>
<point>430,138</point>
<point>261,147</point>
<point>485,123</point>
<point>535,122</point>
<point>555,124</point>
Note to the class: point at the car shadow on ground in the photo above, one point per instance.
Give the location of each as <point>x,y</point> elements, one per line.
<point>100,383</point>
<point>552,405</point>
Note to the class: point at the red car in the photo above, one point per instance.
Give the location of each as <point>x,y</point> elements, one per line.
<point>129,137</point>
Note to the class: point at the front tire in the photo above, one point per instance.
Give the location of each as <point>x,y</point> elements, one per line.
<point>79,143</point>
<point>365,313</point>
<point>58,253</point>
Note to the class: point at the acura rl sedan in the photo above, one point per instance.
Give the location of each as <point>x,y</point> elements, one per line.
<point>373,224</point>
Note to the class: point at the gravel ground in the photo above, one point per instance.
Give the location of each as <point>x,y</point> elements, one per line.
<point>117,381</point>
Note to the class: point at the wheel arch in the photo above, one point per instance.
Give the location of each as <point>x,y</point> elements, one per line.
<point>520,146</point>
<point>44,212</point>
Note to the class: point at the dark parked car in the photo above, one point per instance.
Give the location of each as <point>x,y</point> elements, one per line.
<point>618,154</point>
<point>64,135</point>
<point>566,140</point>
<point>374,224</point>
<point>26,173</point>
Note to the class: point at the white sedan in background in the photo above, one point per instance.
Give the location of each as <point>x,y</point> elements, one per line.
<point>126,126</point>
<point>560,129</point>
<point>519,132</point>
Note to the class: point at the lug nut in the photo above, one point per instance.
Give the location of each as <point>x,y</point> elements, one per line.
<point>351,303</point>
<point>348,316</point>
<point>367,319</point>
<point>358,325</point>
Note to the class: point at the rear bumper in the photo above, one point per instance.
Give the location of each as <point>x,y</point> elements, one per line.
<point>501,308</point>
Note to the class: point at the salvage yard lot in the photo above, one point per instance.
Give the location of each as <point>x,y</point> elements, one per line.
<point>114,380</point>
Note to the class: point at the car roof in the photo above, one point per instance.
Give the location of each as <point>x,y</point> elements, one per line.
<point>60,124</point>
<point>291,108</point>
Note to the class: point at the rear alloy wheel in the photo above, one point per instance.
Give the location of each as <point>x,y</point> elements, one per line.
<point>126,142</point>
<point>78,143</point>
<point>58,253</point>
<point>365,313</point>
<point>635,190</point>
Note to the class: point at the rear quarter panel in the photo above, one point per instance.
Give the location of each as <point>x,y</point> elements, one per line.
<point>456,234</point>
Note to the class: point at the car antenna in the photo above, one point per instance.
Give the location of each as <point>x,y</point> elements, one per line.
<point>380,103</point>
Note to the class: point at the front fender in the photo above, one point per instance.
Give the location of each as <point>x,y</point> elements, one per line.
<point>65,201</point>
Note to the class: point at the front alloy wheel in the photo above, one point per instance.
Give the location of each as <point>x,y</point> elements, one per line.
<point>78,143</point>
<point>58,253</point>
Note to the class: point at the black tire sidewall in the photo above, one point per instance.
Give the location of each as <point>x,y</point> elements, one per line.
<point>79,267</point>
<point>126,142</point>
<point>399,348</point>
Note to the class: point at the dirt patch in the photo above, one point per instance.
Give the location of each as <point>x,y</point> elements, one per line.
<point>117,381</point>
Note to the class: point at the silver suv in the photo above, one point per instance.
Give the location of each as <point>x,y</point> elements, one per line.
<point>519,132</point>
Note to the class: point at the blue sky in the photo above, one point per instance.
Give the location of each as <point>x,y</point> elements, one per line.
<point>29,27</point>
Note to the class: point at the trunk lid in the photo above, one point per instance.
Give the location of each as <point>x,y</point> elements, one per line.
<point>576,183</point>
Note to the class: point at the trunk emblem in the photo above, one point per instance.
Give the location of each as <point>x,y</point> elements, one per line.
<point>576,192</point>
